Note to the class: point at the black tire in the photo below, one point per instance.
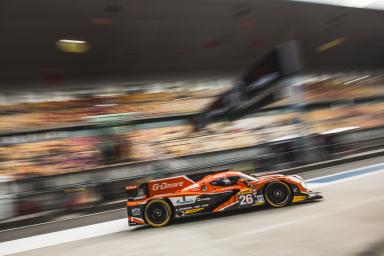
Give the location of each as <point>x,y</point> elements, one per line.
<point>158,213</point>
<point>278,194</point>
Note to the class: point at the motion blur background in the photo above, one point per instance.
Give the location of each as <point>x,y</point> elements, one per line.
<point>96,95</point>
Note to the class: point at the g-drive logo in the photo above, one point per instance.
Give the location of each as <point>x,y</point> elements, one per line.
<point>164,185</point>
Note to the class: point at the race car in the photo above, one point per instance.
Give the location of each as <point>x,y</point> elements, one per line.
<point>159,201</point>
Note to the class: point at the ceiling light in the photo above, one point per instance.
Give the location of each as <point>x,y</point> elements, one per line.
<point>72,46</point>
<point>331,44</point>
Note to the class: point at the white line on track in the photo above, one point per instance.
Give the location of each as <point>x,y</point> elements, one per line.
<point>110,227</point>
<point>313,186</point>
<point>312,182</point>
<point>64,236</point>
<point>345,172</point>
<point>63,219</point>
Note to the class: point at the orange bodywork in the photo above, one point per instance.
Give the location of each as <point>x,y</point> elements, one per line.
<point>209,194</point>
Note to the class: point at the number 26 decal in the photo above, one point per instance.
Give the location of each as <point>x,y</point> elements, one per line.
<point>246,199</point>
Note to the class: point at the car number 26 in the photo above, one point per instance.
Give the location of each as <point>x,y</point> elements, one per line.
<point>246,199</point>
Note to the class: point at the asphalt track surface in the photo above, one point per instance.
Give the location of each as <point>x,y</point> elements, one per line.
<point>349,221</point>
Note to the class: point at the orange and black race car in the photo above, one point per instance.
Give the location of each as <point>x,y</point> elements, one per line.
<point>159,201</point>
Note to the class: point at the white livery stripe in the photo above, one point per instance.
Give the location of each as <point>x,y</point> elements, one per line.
<point>228,206</point>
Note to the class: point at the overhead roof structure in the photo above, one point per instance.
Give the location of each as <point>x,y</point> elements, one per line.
<point>148,40</point>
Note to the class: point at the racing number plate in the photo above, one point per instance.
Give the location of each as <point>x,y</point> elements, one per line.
<point>249,199</point>
<point>246,200</point>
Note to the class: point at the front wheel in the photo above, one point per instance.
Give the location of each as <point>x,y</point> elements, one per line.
<point>277,194</point>
<point>158,213</point>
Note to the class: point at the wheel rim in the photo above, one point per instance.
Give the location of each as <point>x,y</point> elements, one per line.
<point>158,213</point>
<point>278,194</point>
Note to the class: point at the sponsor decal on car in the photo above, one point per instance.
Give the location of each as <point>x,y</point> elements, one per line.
<point>168,185</point>
<point>135,211</point>
<point>164,185</point>
<point>193,210</point>
<point>245,191</point>
<point>185,208</point>
<point>183,200</point>
<point>298,199</point>
<point>203,199</point>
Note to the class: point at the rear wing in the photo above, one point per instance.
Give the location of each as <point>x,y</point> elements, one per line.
<point>157,187</point>
<point>164,186</point>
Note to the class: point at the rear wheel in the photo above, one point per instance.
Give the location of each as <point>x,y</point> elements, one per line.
<point>278,194</point>
<point>158,213</point>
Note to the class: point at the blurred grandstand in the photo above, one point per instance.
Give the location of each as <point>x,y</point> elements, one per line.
<point>128,135</point>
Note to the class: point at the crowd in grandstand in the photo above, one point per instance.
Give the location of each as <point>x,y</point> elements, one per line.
<point>353,106</point>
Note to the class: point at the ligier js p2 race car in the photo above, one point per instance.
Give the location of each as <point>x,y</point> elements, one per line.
<point>159,201</point>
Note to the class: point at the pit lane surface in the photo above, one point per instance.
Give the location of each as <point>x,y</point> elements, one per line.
<point>349,221</point>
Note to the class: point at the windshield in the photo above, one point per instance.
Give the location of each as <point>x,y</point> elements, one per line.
<point>248,177</point>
